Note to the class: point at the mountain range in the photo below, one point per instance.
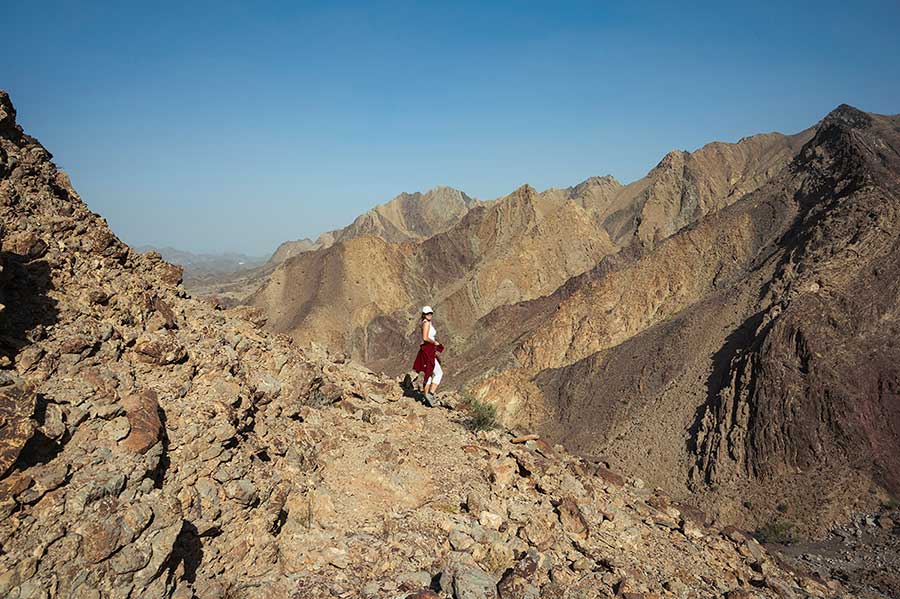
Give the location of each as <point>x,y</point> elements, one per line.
<point>153,444</point>
<point>197,266</point>
<point>640,323</point>
<point>407,217</point>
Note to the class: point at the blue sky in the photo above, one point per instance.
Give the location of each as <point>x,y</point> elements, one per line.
<point>235,126</point>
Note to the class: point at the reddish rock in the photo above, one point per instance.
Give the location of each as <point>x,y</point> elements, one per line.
<point>609,476</point>
<point>75,345</point>
<point>159,349</point>
<point>97,296</point>
<point>26,244</point>
<point>517,582</point>
<point>14,484</point>
<point>164,311</point>
<point>170,274</point>
<point>142,410</point>
<point>573,521</point>
<point>17,403</point>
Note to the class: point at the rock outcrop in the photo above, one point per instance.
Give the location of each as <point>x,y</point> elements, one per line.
<point>155,446</point>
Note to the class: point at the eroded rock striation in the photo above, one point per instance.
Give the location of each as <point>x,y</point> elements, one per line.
<point>155,446</point>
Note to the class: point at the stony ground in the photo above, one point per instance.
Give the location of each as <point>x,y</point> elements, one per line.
<point>863,553</point>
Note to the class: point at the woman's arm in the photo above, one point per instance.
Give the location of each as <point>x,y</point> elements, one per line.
<point>426,326</point>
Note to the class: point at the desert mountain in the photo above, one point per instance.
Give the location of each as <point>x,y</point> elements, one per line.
<point>407,217</point>
<point>714,327</point>
<point>152,445</point>
<point>289,249</point>
<point>750,357</point>
<point>360,296</point>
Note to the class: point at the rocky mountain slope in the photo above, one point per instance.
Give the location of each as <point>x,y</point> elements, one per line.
<point>152,445</point>
<point>750,358</point>
<point>360,296</point>
<point>407,217</point>
<point>289,249</point>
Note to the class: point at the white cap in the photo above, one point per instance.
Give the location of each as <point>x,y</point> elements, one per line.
<point>427,310</point>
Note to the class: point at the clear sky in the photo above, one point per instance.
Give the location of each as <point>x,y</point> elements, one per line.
<point>235,126</point>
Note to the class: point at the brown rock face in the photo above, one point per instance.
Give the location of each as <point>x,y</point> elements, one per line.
<point>816,380</point>
<point>572,520</point>
<point>159,348</point>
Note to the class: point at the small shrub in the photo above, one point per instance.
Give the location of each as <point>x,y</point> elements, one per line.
<point>891,504</point>
<point>778,531</point>
<point>482,415</point>
<point>446,507</point>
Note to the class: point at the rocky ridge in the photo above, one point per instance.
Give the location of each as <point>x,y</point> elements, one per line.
<point>155,446</point>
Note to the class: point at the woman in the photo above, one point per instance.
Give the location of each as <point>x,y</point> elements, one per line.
<point>427,361</point>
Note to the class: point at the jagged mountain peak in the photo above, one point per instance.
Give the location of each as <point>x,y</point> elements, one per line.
<point>524,190</point>
<point>853,145</point>
<point>599,181</point>
<point>848,116</point>
<point>672,159</point>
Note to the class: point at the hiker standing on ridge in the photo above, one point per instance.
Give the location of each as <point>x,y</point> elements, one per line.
<point>427,361</point>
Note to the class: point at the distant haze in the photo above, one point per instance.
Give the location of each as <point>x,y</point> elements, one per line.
<point>230,127</point>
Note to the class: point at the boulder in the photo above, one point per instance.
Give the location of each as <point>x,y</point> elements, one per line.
<point>159,349</point>
<point>573,521</point>
<point>142,411</point>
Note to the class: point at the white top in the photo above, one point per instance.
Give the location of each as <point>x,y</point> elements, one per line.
<point>432,333</point>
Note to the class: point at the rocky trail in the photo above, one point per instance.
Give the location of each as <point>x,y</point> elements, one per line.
<point>152,445</point>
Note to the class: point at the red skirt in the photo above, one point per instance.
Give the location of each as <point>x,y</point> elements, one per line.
<point>426,358</point>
